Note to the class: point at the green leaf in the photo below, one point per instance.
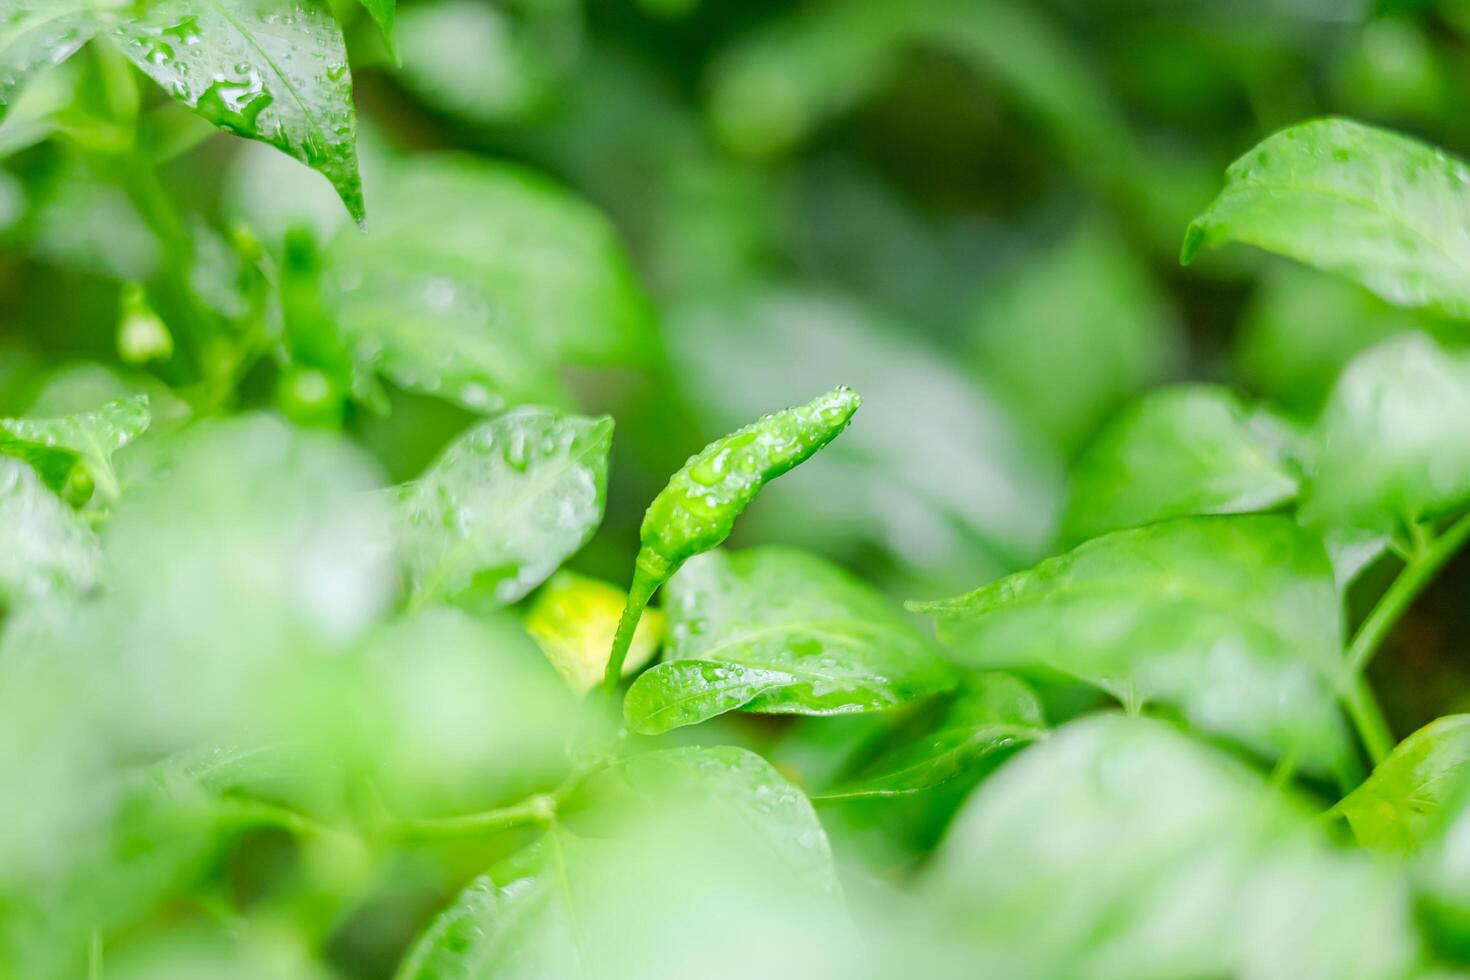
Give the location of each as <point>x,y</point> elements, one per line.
<point>1068,336</point>
<point>780,631</point>
<point>35,34</point>
<point>505,504</point>
<point>1176,452</point>
<point>1383,210</point>
<point>54,445</point>
<point>710,845</point>
<point>467,713</point>
<point>1393,442</point>
<point>384,12</point>
<point>991,714</point>
<point>1301,329</point>
<point>45,548</point>
<point>744,792</point>
<point>1233,620</point>
<point>487,273</point>
<point>1403,804</point>
<point>1193,867</point>
<point>574,619</point>
<point>268,70</point>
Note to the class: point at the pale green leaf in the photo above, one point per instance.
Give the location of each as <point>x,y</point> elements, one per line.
<point>1176,452</point>
<point>505,504</point>
<point>783,632</point>
<point>710,845</point>
<point>1382,210</point>
<point>1122,848</point>
<point>35,34</point>
<point>269,70</point>
<point>54,445</point>
<point>1403,804</point>
<point>1234,620</point>
<point>1393,442</point>
<point>45,548</point>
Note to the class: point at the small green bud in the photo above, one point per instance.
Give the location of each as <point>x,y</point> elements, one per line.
<point>142,336</point>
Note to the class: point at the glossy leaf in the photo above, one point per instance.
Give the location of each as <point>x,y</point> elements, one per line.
<point>991,714</point>
<point>269,70</point>
<point>54,445</point>
<point>1380,209</point>
<point>783,632</point>
<point>505,504</point>
<point>35,34</point>
<point>1193,868</point>
<point>573,620</point>
<point>44,547</point>
<point>1233,620</point>
<point>1404,405</point>
<point>1176,452</point>
<point>1404,803</point>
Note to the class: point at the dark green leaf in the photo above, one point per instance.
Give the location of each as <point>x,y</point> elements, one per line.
<point>269,70</point>
<point>35,34</point>
<point>784,632</point>
<point>1383,210</point>
<point>54,445</point>
<point>992,713</point>
<point>1234,620</point>
<point>505,504</point>
<point>1193,868</point>
<point>44,547</point>
<point>1403,803</point>
<point>1176,452</point>
<point>1393,442</point>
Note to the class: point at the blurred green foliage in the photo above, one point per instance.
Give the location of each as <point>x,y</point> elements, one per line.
<point>277,489</point>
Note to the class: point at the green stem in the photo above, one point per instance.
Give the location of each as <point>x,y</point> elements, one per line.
<point>537,810</point>
<point>94,956</point>
<point>1428,556</point>
<point>1417,574</point>
<point>649,572</point>
<point>260,813</point>
<point>1368,719</point>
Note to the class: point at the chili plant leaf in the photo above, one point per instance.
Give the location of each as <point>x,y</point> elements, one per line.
<point>991,714</point>
<point>35,34</point>
<point>44,547</point>
<point>497,271</point>
<point>629,903</point>
<point>1403,803</point>
<point>1404,405</point>
<point>573,620</point>
<point>1383,210</point>
<point>55,445</point>
<point>384,13</point>
<point>268,70</point>
<point>1234,620</point>
<point>1243,878</point>
<point>505,504</point>
<point>1190,449</point>
<point>780,631</point>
